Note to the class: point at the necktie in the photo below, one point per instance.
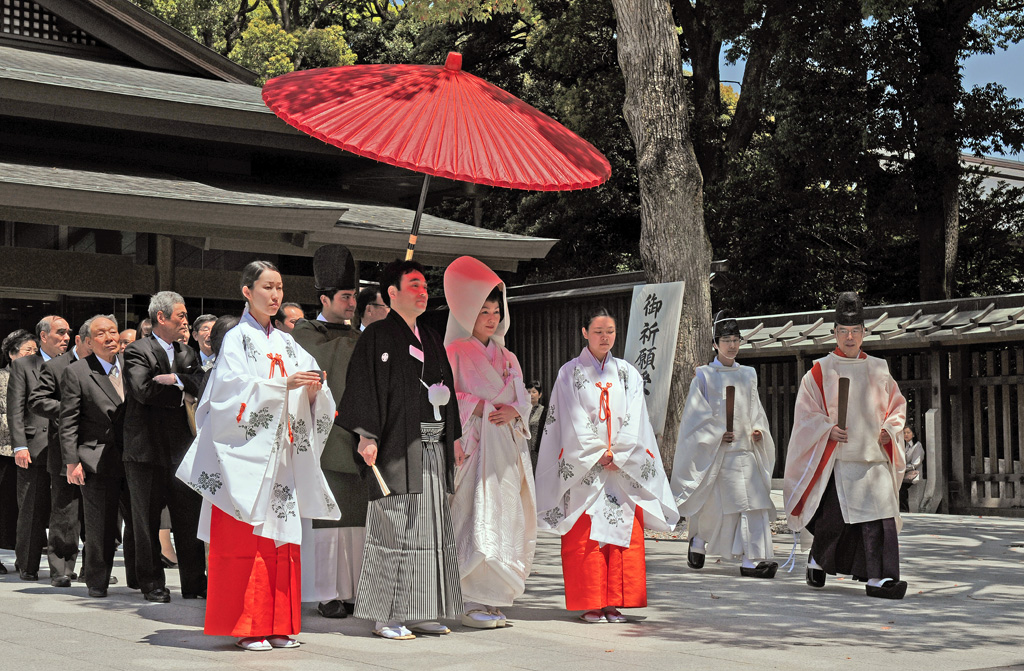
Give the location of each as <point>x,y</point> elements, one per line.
<point>115,379</point>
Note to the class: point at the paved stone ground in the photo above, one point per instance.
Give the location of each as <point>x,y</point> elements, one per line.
<point>964,610</point>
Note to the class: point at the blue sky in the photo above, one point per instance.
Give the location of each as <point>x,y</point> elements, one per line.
<point>1003,67</point>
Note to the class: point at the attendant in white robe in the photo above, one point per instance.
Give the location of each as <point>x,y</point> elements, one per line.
<point>494,511</point>
<point>262,423</point>
<point>722,479</point>
<point>600,479</point>
<point>843,484</point>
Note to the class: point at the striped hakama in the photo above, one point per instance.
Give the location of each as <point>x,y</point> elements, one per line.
<point>410,566</point>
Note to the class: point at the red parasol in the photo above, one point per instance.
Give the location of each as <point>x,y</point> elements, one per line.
<point>437,120</point>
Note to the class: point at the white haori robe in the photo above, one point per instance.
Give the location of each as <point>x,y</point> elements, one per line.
<point>724,489</point>
<point>494,509</point>
<point>868,475</point>
<point>570,482</point>
<point>256,454</point>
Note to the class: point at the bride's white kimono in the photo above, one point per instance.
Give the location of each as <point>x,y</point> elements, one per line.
<point>724,489</point>
<point>494,509</point>
<point>256,455</point>
<point>570,482</point>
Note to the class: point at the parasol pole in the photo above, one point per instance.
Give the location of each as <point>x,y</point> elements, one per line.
<point>416,220</point>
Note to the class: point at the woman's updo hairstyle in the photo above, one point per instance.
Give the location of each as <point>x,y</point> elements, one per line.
<point>253,270</point>
<point>594,313</point>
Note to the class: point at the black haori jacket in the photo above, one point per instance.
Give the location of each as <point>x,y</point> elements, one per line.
<point>385,399</point>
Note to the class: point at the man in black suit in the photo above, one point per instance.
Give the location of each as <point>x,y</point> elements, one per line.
<point>160,373</point>
<point>91,422</point>
<point>65,498</point>
<point>29,439</point>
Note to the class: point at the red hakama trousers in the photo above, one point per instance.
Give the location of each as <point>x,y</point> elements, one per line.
<point>597,577</point>
<point>254,586</point>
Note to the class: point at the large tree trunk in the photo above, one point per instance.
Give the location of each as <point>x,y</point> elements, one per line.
<point>674,244</point>
<point>705,50</point>
<point>936,162</point>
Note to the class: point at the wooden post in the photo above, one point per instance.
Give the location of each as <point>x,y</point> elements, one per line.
<point>959,453</point>
<point>164,263</point>
<point>937,433</point>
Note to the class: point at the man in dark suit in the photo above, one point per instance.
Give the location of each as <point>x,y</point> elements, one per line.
<point>91,422</point>
<point>29,439</point>
<point>160,373</point>
<point>65,498</point>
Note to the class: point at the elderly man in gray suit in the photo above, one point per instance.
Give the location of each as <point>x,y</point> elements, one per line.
<point>65,498</point>
<point>91,419</point>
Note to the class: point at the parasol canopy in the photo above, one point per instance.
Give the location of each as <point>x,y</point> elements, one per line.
<point>437,120</point>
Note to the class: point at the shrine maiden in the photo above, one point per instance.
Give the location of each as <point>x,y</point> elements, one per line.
<point>493,510</point>
<point>723,479</point>
<point>600,479</point>
<point>262,423</point>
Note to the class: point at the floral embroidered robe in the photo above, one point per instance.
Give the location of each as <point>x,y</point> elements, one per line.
<point>570,482</point>
<point>256,455</point>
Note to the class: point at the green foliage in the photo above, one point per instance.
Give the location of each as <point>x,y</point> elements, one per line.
<point>822,196</point>
<point>458,11</point>
<point>270,37</point>
<point>991,259</point>
<point>266,49</point>
<point>324,47</point>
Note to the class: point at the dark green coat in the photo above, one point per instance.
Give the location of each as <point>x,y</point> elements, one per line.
<point>331,345</point>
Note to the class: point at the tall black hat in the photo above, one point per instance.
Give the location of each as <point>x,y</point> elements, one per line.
<point>849,309</point>
<point>725,324</point>
<point>334,268</point>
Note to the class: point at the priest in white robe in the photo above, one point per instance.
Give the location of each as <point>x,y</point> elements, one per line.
<point>842,484</point>
<point>262,423</point>
<point>600,479</point>
<point>494,511</point>
<point>722,478</point>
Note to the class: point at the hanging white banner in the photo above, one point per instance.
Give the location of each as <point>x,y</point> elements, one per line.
<point>651,342</point>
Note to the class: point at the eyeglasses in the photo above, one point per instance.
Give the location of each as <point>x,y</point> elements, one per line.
<point>732,340</point>
<point>856,330</point>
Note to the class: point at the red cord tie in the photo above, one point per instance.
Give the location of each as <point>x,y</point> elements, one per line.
<point>604,411</point>
<point>275,362</point>
<point>240,411</point>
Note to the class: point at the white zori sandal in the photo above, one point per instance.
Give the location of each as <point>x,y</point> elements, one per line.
<point>479,619</point>
<point>428,627</point>
<point>496,613</point>
<point>254,643</point>
<point>282,642</point>
<point>393,632</point>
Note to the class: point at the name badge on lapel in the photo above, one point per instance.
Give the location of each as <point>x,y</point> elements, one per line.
<point>416,353</point>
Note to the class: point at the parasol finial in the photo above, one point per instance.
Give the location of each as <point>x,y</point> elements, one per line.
<point>454,61</point>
